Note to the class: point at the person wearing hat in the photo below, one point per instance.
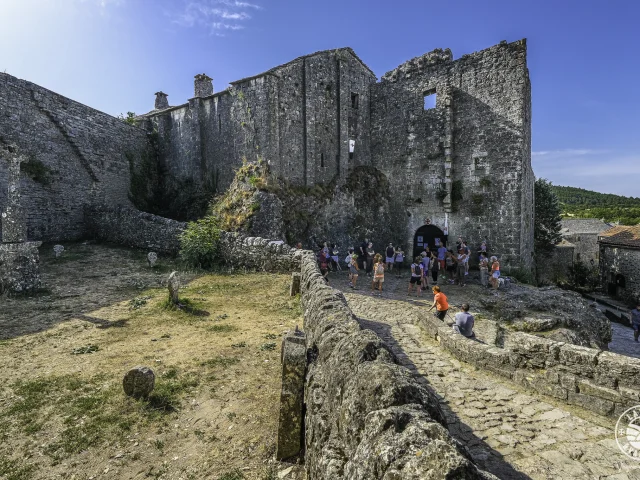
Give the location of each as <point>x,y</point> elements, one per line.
<point>391,253</point>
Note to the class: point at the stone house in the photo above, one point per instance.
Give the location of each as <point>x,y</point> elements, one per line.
<point>583,234</point>
<point>620,261</point>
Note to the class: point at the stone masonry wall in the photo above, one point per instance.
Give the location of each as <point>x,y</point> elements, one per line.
<point>473,149</point>
<point>603,382</point>
<point>78,157</point>
<point>623,261</point>
<point>367,417</point>
<point>299,117</point>
<point>133,228</point>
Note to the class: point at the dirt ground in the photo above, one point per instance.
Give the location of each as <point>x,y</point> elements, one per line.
<point>64,351</point>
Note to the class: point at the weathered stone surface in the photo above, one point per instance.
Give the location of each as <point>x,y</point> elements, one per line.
<point>290,425</point>
<point>139,382</point>
<point>367,417</point>
<point>57,250</point>
<point>173,285</point>
<point>295,284</point>
<point>152,258</point>
<point>19,267</point>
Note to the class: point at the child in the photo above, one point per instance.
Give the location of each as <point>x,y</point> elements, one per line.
<point>378,274</point>
<point>353,271</point>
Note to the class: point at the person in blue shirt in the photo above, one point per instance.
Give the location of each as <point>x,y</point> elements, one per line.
<point>464,322</point>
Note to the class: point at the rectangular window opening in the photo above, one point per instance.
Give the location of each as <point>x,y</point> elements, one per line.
<point>322,160</point>
<point>430,99</point>
<point>219,124</point>
<point>354,100</point>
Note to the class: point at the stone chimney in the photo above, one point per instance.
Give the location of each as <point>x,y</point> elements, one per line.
<point>161,101</point>
<point>202,85</point>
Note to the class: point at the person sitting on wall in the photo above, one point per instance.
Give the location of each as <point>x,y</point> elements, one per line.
<point>440,303</point>
<point>464,322</point>
<point>635,321</point>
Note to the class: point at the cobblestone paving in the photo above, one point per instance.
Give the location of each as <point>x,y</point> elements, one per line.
<point>622,341</point>
<point>508,431</point>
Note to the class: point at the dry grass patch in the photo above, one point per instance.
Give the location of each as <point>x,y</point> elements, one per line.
<point>213,413</point>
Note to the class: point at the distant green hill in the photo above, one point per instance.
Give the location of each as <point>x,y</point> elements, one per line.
<point>581,203</point>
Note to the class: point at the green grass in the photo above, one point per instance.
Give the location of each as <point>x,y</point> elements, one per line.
<point>220,362</point>
<point>15,470</point>
<point>233,475</point>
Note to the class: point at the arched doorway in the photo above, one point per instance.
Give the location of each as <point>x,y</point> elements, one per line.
<point>427,235</point>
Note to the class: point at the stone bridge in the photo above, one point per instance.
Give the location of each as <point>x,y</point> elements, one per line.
<point>510,431</point>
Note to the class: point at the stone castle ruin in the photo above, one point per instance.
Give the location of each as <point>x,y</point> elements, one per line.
<point>437,147</point>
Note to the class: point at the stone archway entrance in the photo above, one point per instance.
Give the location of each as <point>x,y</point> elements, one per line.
<point>427,234</point>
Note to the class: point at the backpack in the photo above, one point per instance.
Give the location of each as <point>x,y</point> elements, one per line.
<point>418,269</point>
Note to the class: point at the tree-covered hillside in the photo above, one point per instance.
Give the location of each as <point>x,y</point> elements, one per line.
<point>581,203</point>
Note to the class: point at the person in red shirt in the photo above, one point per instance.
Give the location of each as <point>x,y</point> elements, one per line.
<point>440,303</point>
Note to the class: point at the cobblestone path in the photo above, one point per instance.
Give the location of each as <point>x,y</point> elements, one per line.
<point>508,431</point>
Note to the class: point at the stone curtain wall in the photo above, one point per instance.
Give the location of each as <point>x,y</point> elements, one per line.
<point>78,157</point>
<point>603,382</point>
<point>366,416</point>
<point>297,116</point>
<point>133,228</point>
<point>488,93</point>
<point>624,261</point>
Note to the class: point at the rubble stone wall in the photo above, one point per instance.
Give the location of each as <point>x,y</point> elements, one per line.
<point>620,261</point>
<point>78,157</point>
<point>297,116</point>
<point>473,148</point>
<point>367,417</point>
<point>133,228</point>
<point>603,382</point>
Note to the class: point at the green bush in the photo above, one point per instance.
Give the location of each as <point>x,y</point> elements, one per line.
<point>582,277</point>
<point>199,242</point>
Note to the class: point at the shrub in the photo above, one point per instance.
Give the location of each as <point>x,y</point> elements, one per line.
<point>199,242</point>
<point>582,277</point>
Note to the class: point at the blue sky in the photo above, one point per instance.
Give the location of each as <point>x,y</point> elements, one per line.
<point>114,54</point>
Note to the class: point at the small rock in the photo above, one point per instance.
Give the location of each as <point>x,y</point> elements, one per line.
<point>57,250</point>
<point>139,382</point>
<point>285,472</point>
<point>152,258</point>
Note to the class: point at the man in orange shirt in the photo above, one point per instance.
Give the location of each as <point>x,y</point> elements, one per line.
<point>440,302</point>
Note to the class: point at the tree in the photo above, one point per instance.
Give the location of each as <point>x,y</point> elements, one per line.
<point>546,233</point>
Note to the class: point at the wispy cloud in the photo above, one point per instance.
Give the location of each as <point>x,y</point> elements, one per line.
<point>567,152</point>
<point>216,15</point>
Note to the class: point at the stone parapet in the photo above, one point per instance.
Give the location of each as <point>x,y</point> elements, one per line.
<point>367,417</point>
<point>603,382</point>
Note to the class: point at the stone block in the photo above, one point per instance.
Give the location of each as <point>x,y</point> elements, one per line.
<point>295,284</point>
<point>541,385</point>
<point>139,382</point>
<point>569,381</point>
<point>588,388</point>
<point>19,267</point>
<point>612,367</point>
<point>294,362</point>
<point>580,361</point>
<point>594,404</point>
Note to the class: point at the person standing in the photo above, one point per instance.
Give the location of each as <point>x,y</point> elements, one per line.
<point>440,303</point>
<point>391,252</point>
<point>416,276</point>
<point>378,275</point>
<point>353,271</point>
<point>484,270</point>
<point>461,270</point>
<point>635,321</point>
<point>425,260</point>
<point>323,261</point>
<point>362,254</point>
<point>451,267</point>
<point>464,322</point>
<point>467,252</point>
<point>370,258</point>
<point>495,272</point>
<point>335,259</point>
<point>442,255</point>
<point>399,261</point>
<point>435,268</point>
